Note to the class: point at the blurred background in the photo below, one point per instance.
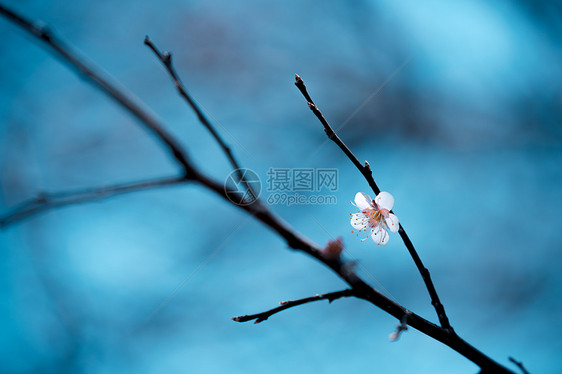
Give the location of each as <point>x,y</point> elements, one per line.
<point>457,106</point>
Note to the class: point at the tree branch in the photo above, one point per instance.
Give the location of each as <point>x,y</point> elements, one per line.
<point>47,201</point>
<point>295,240</point>
<point>260,317</point>
<point>361,288</point>
<point>367,173</point>
<point>166,60</point>
<point>93,75</point>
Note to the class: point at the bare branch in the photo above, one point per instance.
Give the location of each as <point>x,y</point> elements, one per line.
<point>260,317</point>
<point>94,75</point>
<point>520,365</point>
<point>294,239</point>
<point>47,201</point>
<point>367,173</point>
<point>166,60</point>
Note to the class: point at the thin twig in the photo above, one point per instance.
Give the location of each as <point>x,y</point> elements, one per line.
<point>293,239</point>
<point>520,365</point>
<point>47,201</point>
<point>263,316</point>
<point>166,60</point>
<point>367,173</point>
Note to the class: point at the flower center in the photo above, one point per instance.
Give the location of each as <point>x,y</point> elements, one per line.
<point>377,216</point>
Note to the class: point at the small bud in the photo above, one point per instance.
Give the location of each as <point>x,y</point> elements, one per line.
<point>333,249</point>
<point>368,166</point>
<point>167,57</point>
<point>395,335</point>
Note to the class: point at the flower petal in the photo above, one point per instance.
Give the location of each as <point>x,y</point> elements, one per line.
<point>379,235</point>
<point>392,222</point>
<point>359,221</point>
<point>385,200</point>
<point>363,201</point>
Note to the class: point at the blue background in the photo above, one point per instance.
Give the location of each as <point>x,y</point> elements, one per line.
<point>457,106</point>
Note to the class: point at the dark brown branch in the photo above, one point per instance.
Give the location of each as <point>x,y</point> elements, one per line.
<point>367,173</point>
<point>95,76</point>
<point>166,60</point>
<point>48,201</point>
<point>361,288</point>
<point>520,365</point>
<point>263,316</point>
<point>295,240</point>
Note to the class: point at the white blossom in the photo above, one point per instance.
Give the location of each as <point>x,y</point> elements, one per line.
<point>374,216</point>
